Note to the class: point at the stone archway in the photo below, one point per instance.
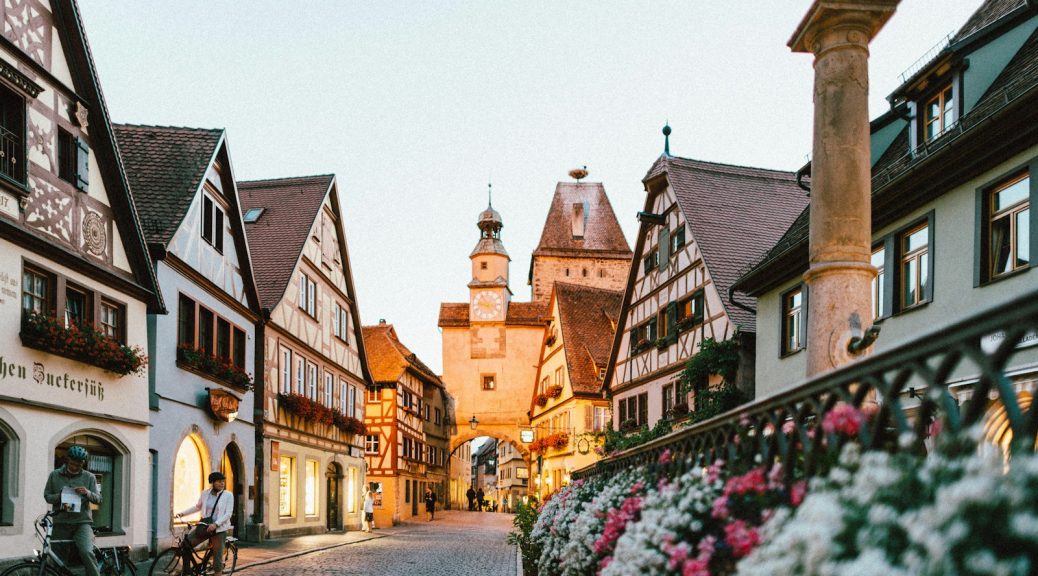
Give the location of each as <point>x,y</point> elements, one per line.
<point>511,475</point>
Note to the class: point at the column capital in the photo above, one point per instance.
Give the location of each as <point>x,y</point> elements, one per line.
<point>867,16</point>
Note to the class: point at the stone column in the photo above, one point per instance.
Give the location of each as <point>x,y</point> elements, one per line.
<point>838,32</point>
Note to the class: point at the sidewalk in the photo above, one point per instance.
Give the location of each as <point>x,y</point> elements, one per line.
<point>258,553</point>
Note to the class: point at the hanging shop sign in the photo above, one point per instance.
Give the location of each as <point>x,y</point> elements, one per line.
<point>223,405</point>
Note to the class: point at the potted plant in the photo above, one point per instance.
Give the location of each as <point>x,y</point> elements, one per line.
<point>541,400</point>
<point>662,342</point>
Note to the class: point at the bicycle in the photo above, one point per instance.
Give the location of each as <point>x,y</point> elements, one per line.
<point>111,561</point>
<point>184,560</point>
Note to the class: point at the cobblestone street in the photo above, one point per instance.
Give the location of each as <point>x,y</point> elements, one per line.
<point>455,544</point>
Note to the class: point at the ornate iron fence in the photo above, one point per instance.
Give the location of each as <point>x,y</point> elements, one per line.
<point>955,376</point>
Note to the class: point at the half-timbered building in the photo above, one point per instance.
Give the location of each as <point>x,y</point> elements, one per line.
<point>701,224</point>
<point>76,284</point>
<point>311,369</point>
<point>407,442</point>
<point>568,407</point>
<point>202,357</point>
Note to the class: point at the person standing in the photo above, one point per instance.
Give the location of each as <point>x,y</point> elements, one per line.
<point>430,503</point>
<point>74,520</point>
<point>216,505</point>
<point>471,495</point>
<point>479,499</point>
<point>369,511</point>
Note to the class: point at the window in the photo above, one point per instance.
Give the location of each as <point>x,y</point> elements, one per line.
<point>488,382</point>
<point>371,444</point>
<point>205,330</point>
<point>188,475</point>
<point>239,347</point>
<point>42,293</point>
<point>186,321</point>
<point>286,371</point>
<point>351,401</point>
<point>677,240</point>
<point>940,113</point>
<point>793,325</point>
<point>635,408</point>
<point>286,487</point>
<point>373,395</point>
<point>110,324</point>
<point>915,252</point>
<point>73,160</point>
<point>78,306</point>
<point>544,385</point>
<point>601,417</point>
<point>311,381</point>
<point>308,295</point>
<point>341,323</point>
<point>312,493</point>
<point>1009,232</point>
<point>36,291</point>
<point>651,261</point>
<point>223,339</point>
<point>12,136</point>
<point>329,387</point>
<point>300,375</point>
<point>437,416</point>
<point>879,288</point>
<point>663,246</point>
<point>252,215</point>
<point>668,398</point>
<point>558,376</point>
<point>482,264</point>
<point>690,310</point>
<point>667,322</point>
<point>212,223</point>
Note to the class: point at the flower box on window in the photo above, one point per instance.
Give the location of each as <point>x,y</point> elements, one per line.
<point>662,342</point>
<point>219,368</point>
<point>555,391</point>
<point>541,400</point>
<point>308,409</point>
<point>686,323</point>
<point>629,425</point>
<point>82,343</point>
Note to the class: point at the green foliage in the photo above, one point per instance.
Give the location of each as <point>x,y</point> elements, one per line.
<point>713,401</point>
<point>616,441</point>
<point>721,358</point>
<point>525,518</point>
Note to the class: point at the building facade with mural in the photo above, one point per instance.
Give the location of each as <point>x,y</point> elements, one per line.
<point>76,286</point>
<point>202,356</point>
<point>311,366</point>
<point>408,428</point>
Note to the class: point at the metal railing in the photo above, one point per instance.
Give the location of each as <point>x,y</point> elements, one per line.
<point>926,58</point>
<point>956,375</point>
<point>10,150</point>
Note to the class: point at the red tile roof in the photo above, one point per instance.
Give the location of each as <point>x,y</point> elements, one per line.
<point>587,319</point>
<point>456,314</point>
<point>603,237</point>
<point>388,358</point>
<point>735,214</point>
<point>276,240</point>
<point>165,166</point>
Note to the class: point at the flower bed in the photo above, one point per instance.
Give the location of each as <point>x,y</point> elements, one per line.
<point>219,368</point>
<point>307,409</point>
<point>82,343</point>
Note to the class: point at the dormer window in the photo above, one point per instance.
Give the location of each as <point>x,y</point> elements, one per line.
<point>939,113</point>
<point>578,221</point>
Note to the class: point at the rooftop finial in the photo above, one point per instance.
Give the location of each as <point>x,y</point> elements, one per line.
<point>666,139</point>
<point>490,194</point>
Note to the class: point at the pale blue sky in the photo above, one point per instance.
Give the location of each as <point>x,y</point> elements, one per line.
<point>414,105</point>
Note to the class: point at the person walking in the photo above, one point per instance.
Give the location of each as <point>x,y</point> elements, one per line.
<point>369,511</point>
<point>70,490</point>
<point>479,499</point>
<point>217,506</point>
<point>471,495</point>
<point>430,503</point>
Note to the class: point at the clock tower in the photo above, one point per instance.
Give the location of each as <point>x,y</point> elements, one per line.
<point>488,291</point>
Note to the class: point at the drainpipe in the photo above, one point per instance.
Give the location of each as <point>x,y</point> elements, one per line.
<point>154,544</point>
<point>838,33</point>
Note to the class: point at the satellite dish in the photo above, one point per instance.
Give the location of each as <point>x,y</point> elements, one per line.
<point>578,173</point>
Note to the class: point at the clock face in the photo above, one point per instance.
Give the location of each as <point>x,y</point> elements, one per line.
<point>486,305</point>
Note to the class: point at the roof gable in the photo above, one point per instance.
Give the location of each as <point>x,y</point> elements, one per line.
<point>591,230</point>
<point>587,319</point>
<point>388,358</point>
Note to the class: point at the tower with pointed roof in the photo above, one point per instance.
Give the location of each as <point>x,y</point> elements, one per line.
<point>581,243</point>
<point>488,291</point>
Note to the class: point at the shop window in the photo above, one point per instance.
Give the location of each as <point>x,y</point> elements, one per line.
<point>351,490</point>
<point>286,487</point>
<point>189,476</point>
<point>313,495</point>
<point>105,463</point>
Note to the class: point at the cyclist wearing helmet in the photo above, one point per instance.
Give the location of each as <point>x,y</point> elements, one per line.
<point>216,505</point>
<point>73,479</point>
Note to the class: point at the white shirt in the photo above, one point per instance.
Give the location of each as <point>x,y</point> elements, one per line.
<point>224,508</point>
<point>369,504</point>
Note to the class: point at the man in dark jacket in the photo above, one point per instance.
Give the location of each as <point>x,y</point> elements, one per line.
<point>71,490</point>
<point>479,499</point>
<point>471,494</point>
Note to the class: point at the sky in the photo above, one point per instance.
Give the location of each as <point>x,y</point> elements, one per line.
<point>416,106</point>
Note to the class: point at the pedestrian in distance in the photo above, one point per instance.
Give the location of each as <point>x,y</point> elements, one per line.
<point>471,494</point>
<point>479,499</point>
<point>369,511</point>
<point>217,506</point>
<point>70,490</point>
<point>430,503</point>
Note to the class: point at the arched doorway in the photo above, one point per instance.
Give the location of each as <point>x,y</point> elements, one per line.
<point>189,475</point>
<point>105,463</point>
<point>333,478</point>
<point>231,467</point>
<point>494,465</point>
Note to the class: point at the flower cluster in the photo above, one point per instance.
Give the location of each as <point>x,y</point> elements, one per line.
<point>541,400</point>
<point>219,368</point>
<point>844,420</point>
<point>557,440</point>
<point>307,409</point>
<point>82,342</point>
<point>555,391</point>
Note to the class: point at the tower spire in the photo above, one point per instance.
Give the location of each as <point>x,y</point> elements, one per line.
<point>490,194</point>
<point>666,139</point>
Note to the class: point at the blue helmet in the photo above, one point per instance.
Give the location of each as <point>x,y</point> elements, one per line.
<point>77,452</point>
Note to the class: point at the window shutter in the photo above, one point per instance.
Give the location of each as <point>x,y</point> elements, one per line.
<point>697,307</point>
<point>664,246</point>
<point>82,165</point>
<point>588,417</point>
<point>672,321</point>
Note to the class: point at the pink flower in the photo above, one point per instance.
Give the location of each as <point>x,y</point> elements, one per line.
<point>843,419</point>
<point>615,524</point>
<point>714,472</point>
<point>665,457</point>
<point>741,538</point>
<point>788,427</point>
<point>695,567</point>
<point>797,492</point>
<point>720,509</point>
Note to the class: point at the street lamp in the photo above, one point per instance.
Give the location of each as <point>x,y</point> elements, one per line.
<point>473,423</point>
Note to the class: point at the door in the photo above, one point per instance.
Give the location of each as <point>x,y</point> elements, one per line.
<point>333,475</point>
<point>231,467</point>
<point>414,497</point>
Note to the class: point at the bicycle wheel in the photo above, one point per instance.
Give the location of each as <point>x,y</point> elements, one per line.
<point>230,558</point>
<point>167,564</point>
<point>30,568</point>
<point>126,568</point>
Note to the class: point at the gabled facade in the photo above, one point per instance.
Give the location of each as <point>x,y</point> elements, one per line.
<point>73,268</point>
<point>407,446</point>
<point>312,369</point>
<point>581,242</point>
<point>460,470</point>
<point>953,180</point>
<point>568,407</point>
<point>203,351</point>
<point>513,477</point>
<point>701,224</point>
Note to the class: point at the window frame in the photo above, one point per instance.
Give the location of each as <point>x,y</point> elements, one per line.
<point>237,337</point>
<point>55,298</point>
<point>212,221</point>
<point>307,299</point>
<point>484,378</point>
<point>946,104</point>
<point>785,349</point>
<point>925,291</point>
<point>983,273</point>
<point>18,100</point>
